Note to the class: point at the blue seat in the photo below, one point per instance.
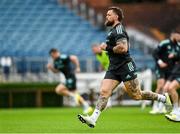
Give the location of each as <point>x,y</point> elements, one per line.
<point>33,30</point>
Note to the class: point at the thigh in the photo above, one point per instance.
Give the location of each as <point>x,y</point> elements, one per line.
<point>174,85</point>
<point>61,87</point>
<point>133,87</point>
<point>108,85</point>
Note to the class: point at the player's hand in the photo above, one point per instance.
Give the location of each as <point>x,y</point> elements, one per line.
<point>103,46</point>
<point>78,70</point>
<point>49,66</point>
<point>170,56</point>
<point>162,64</point>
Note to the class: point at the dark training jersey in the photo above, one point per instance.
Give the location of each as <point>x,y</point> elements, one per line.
<point>63,64</point>
<point>162,52</point>
<point>117,60</point>
<point>175,75</point>
<point>177,53</point>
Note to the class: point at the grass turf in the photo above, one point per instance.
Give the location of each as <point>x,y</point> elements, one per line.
<point>64,120</point>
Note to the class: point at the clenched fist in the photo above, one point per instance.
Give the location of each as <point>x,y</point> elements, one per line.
<point>103,46</point>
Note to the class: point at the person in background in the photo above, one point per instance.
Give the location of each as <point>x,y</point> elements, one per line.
<point>173,82</point>
<point>164,66</point>
<point>101,56</point>
<point>6,63</point>
<point>62,63</point>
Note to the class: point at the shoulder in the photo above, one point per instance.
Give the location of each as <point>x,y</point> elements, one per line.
<point>164,42</point>
<point>120,32</point>
<point>119,29</point>
<point>64,56</point>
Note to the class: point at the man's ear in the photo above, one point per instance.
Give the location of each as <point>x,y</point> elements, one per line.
<point>117,17</point>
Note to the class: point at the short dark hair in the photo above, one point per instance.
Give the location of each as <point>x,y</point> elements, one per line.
<point>53,50</point>
<point>117,11</point>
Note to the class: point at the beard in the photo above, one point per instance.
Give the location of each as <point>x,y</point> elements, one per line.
<point>109,23</point>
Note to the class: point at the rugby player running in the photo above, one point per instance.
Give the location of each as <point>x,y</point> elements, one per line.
<point>121,69</point>
<point>62,63</point>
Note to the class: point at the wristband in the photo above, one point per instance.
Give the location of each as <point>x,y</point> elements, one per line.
<point>159,61</point>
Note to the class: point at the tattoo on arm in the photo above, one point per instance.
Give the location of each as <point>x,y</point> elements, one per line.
<point>101,104</point>
<point>54,70</point>
<point>121,46</point>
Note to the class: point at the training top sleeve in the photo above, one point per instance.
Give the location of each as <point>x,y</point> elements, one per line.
<point>177,55</point>
<point>65,57</point>
<point>120,33</point>
<point>155,54</point>
<point>161,48</point>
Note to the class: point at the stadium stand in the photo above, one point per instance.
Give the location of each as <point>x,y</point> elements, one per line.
<point>30,28</point>
<point>33,30</point>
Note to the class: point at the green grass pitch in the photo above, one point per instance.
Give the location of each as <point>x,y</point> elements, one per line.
<point>64,120</point>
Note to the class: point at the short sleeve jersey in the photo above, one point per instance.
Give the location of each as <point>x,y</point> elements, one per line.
<point>117,33</point>
<point>63,64</point>
<point>163,50</point>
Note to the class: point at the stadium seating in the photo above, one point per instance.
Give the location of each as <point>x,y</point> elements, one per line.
<point>29,28</point>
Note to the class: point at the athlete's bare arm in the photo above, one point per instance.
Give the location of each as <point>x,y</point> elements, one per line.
<point>75,60</point>
<point>121,46</point>
<point>50,67</point>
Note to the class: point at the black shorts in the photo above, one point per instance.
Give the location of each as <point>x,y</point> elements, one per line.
<point>71,83</point>
<point>125,73</point>
<point>162,74</point>
<point>175,74</point>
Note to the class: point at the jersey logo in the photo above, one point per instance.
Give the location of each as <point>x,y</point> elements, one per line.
<point>164,42</point>
<point>119,29</point>
<point>109,33</point>
<point>130,66</point>
<point>63,56</point>
<point>128,76</point>
<point>69,80</point>
<point>169,47</point>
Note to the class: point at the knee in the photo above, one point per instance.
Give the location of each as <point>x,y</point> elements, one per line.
<point>105,93</point>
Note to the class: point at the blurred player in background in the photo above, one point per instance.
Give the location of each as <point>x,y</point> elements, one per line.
<point>173,82</point>
<point>122,69</point>
<point>164,66</point>
<point>62,63</point>
<point>101,56</point>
